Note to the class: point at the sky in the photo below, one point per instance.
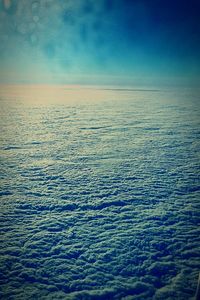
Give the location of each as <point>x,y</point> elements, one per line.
<point>130,42</point>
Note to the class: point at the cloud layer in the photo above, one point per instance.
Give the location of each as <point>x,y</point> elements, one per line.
<point>100,200</point>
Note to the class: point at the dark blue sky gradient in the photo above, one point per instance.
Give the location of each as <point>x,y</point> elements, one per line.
<point>104,41</point>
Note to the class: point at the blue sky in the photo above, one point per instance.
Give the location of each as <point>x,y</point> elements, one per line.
<point>97,42</point>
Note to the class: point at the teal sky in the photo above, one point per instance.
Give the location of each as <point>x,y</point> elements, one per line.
<point>100,42</point>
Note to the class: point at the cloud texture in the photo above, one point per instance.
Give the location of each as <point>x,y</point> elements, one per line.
<point>101,200</point>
